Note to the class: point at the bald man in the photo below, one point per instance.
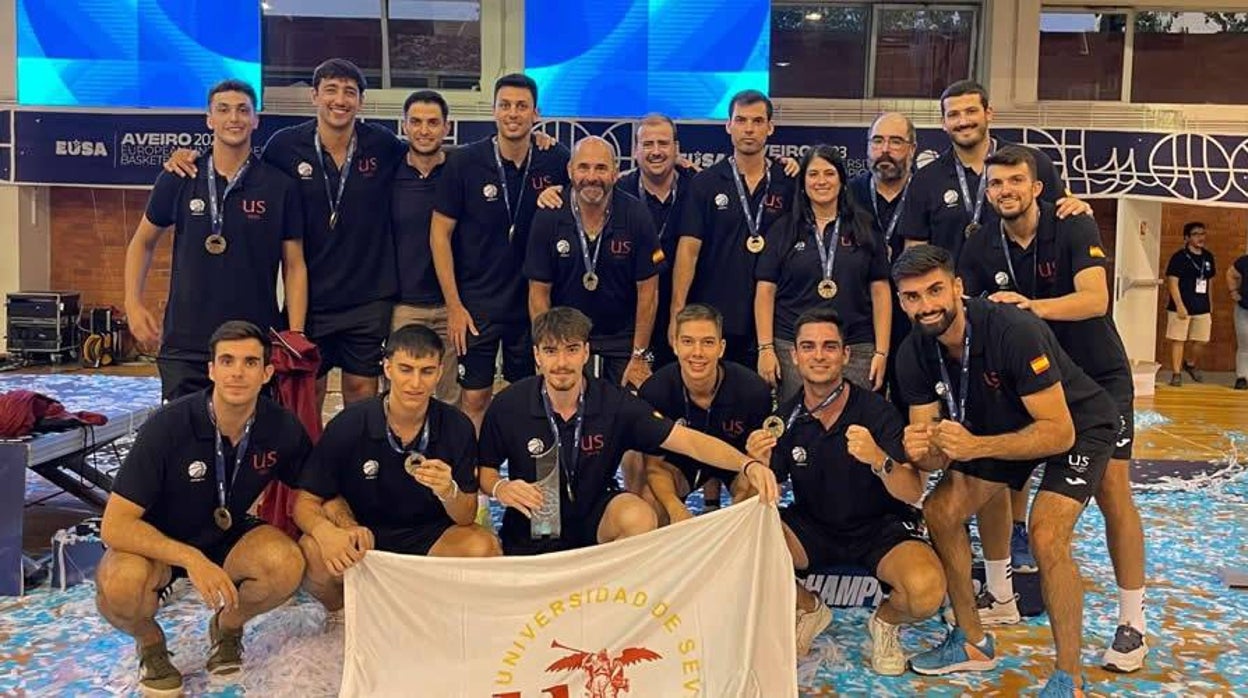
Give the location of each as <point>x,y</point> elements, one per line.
<point>599,253</point>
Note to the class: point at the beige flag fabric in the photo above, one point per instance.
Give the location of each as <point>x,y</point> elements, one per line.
<point>703,608</point>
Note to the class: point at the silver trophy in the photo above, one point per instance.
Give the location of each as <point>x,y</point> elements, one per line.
<point>546,522</point>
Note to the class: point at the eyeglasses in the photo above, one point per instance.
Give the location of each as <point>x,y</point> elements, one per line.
<point>893,142</point>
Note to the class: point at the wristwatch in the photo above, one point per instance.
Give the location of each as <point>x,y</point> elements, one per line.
<point>644,354</point>
<point>885,469</point>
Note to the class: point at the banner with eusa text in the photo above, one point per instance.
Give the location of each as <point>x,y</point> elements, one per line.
<point>702,609</point>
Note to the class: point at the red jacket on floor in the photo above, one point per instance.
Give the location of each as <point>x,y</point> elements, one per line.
<point>296,360</point>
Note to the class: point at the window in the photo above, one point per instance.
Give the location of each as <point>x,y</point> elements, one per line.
<point>919,52</point>
<point>1081,55</point>
<point>1190,57</point>
<point>819,51</point>
<point>299,34</point>
<point>435,43</point>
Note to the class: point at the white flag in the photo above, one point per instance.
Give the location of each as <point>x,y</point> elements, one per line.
<point>702,609</point>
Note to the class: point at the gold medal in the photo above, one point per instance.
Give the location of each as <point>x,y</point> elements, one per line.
<point>971,229</point>
<point>774,425</point>
<point>215,244</point>
<point>827,289</point>
<point>221,515</point>
<point>755,244</point>
<point>412,463</point>
<point>590,280</point>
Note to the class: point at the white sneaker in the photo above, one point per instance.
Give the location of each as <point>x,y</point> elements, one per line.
<point>887,658</point>
<point>1127,652</point>
<point>809,625</point>
<point>991,611</point>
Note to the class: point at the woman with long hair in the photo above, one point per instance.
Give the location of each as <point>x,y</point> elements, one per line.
<point>822,253</point>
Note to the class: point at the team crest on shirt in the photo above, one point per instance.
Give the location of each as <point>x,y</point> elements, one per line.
<point>490,192</point>
<point>799,455</point>
<point>799,246</point>
<point>196,471</point>
<point>1002,279</point>
<point>680,422</point>
<point>370,469</point>
<point>951,197</point>
<point>535,447</point>
<point>721,201</point>
<point>462,370</point>
<point>197,207</point>
<point>563,247</point>
<point>304,169</point>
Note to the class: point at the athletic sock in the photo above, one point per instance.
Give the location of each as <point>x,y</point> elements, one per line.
<point>1000,579</point>
<point>1131,608</point>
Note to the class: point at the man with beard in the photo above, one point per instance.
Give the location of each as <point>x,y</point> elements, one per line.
<point>478,235</point>
<point>724,226</point>
<point>1013,399</point>
<point>598,253</point>
<point>1055,268</point>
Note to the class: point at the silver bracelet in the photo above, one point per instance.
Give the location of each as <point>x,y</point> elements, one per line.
<point>454,492</point>
<point>494,491</point>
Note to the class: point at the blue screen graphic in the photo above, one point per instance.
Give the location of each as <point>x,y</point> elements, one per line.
<point>134,53</point>
<point>621,58</point>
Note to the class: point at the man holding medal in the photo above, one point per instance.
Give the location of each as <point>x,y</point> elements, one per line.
<point>394,473</point>
<point>598,253</point>
<point>181,507</point>
<point>1013,399</point>
<point>234,224</point>
<point>853,500</point>
<point>562,434</point>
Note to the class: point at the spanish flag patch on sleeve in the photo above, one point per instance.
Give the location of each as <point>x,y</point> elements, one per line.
<point>1040,364</point>
<point>658,256</point>
<point>1096,251</point>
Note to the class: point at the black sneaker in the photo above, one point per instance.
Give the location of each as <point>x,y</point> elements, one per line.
<point>1196,374</point>
<point>1176,380</point>
<point>226,656</point>
<point>1127,652</point>
<point>157,675</point>
<point>1241,383</point>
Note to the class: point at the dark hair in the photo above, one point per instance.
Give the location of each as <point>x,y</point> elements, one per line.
<point>426,97</point>
<point>855,222</point>
<point>339,68</point>
<point>519,80</point>
<point>1189,228</point>
<point>233,85</point>
<point>1013,156</point>
<point>415,340</point>
<point>920,260</point>
<point>964,87</point>
<point>701,311</point>
<point>816,316</point>
<point>653,118</point>
<point>563,324</point>
<point>745,98</point>
<point>233,330</point>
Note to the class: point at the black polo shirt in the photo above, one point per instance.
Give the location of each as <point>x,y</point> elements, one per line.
<point>355,459</point>
<point>411,209</point>
<point>934,210</point>
<point>739,407</point>
<point>516,429</point>
<point>171,469</point>
<point>1013,354</point>
<point>829,485</point>
<point>862,186</point>
<point>1191,270</point>
<point>714,215</point>
<point>629,253</point>
<point>205,290</point>
<point>1046,269</point>
<point>352,264</point>
<point>1241,266</point>
<point>488,266</point>
<point>791,261</point>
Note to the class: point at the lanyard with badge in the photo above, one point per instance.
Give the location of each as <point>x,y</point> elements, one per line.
<point>667,212</point>
<point>216,243</point>
<point>221,515</point>
<point>957,410</point>
<point>977,208</point>
<point>412,458</point>
<point>569,469</point>
<point>1009,263</point>
<point>502,178</point>
<point>827,257</point>
<point>755,242</point>
<point>335,202</point>
<point>892,224</point>
<point>590,279</point>
<point>706,423</point>
<point>1202,283</point>
<point>776,426</point>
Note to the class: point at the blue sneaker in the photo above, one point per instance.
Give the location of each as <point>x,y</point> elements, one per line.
<point>1020,550</point>
<point>955,654</point>
<point>1060,685</point>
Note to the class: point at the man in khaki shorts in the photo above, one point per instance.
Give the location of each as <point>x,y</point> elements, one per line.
<point>1189,321</point>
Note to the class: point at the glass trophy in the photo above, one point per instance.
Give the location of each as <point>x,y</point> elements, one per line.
<point>546,521</point>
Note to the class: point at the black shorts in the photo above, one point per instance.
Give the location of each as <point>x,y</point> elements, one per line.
<point>576,533</point>
<point>1075,474</point>
<point>218,551</point>
<point>353,338</point>
<point>828,547</point>
<point>609,357</point>
<point>476,368</point>
<point>409,540</point>
<point>181,377</point>
<point>1124,398</point>
<point>697,475</point>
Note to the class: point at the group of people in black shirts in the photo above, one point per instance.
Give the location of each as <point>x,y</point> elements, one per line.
<point>972,292</point>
